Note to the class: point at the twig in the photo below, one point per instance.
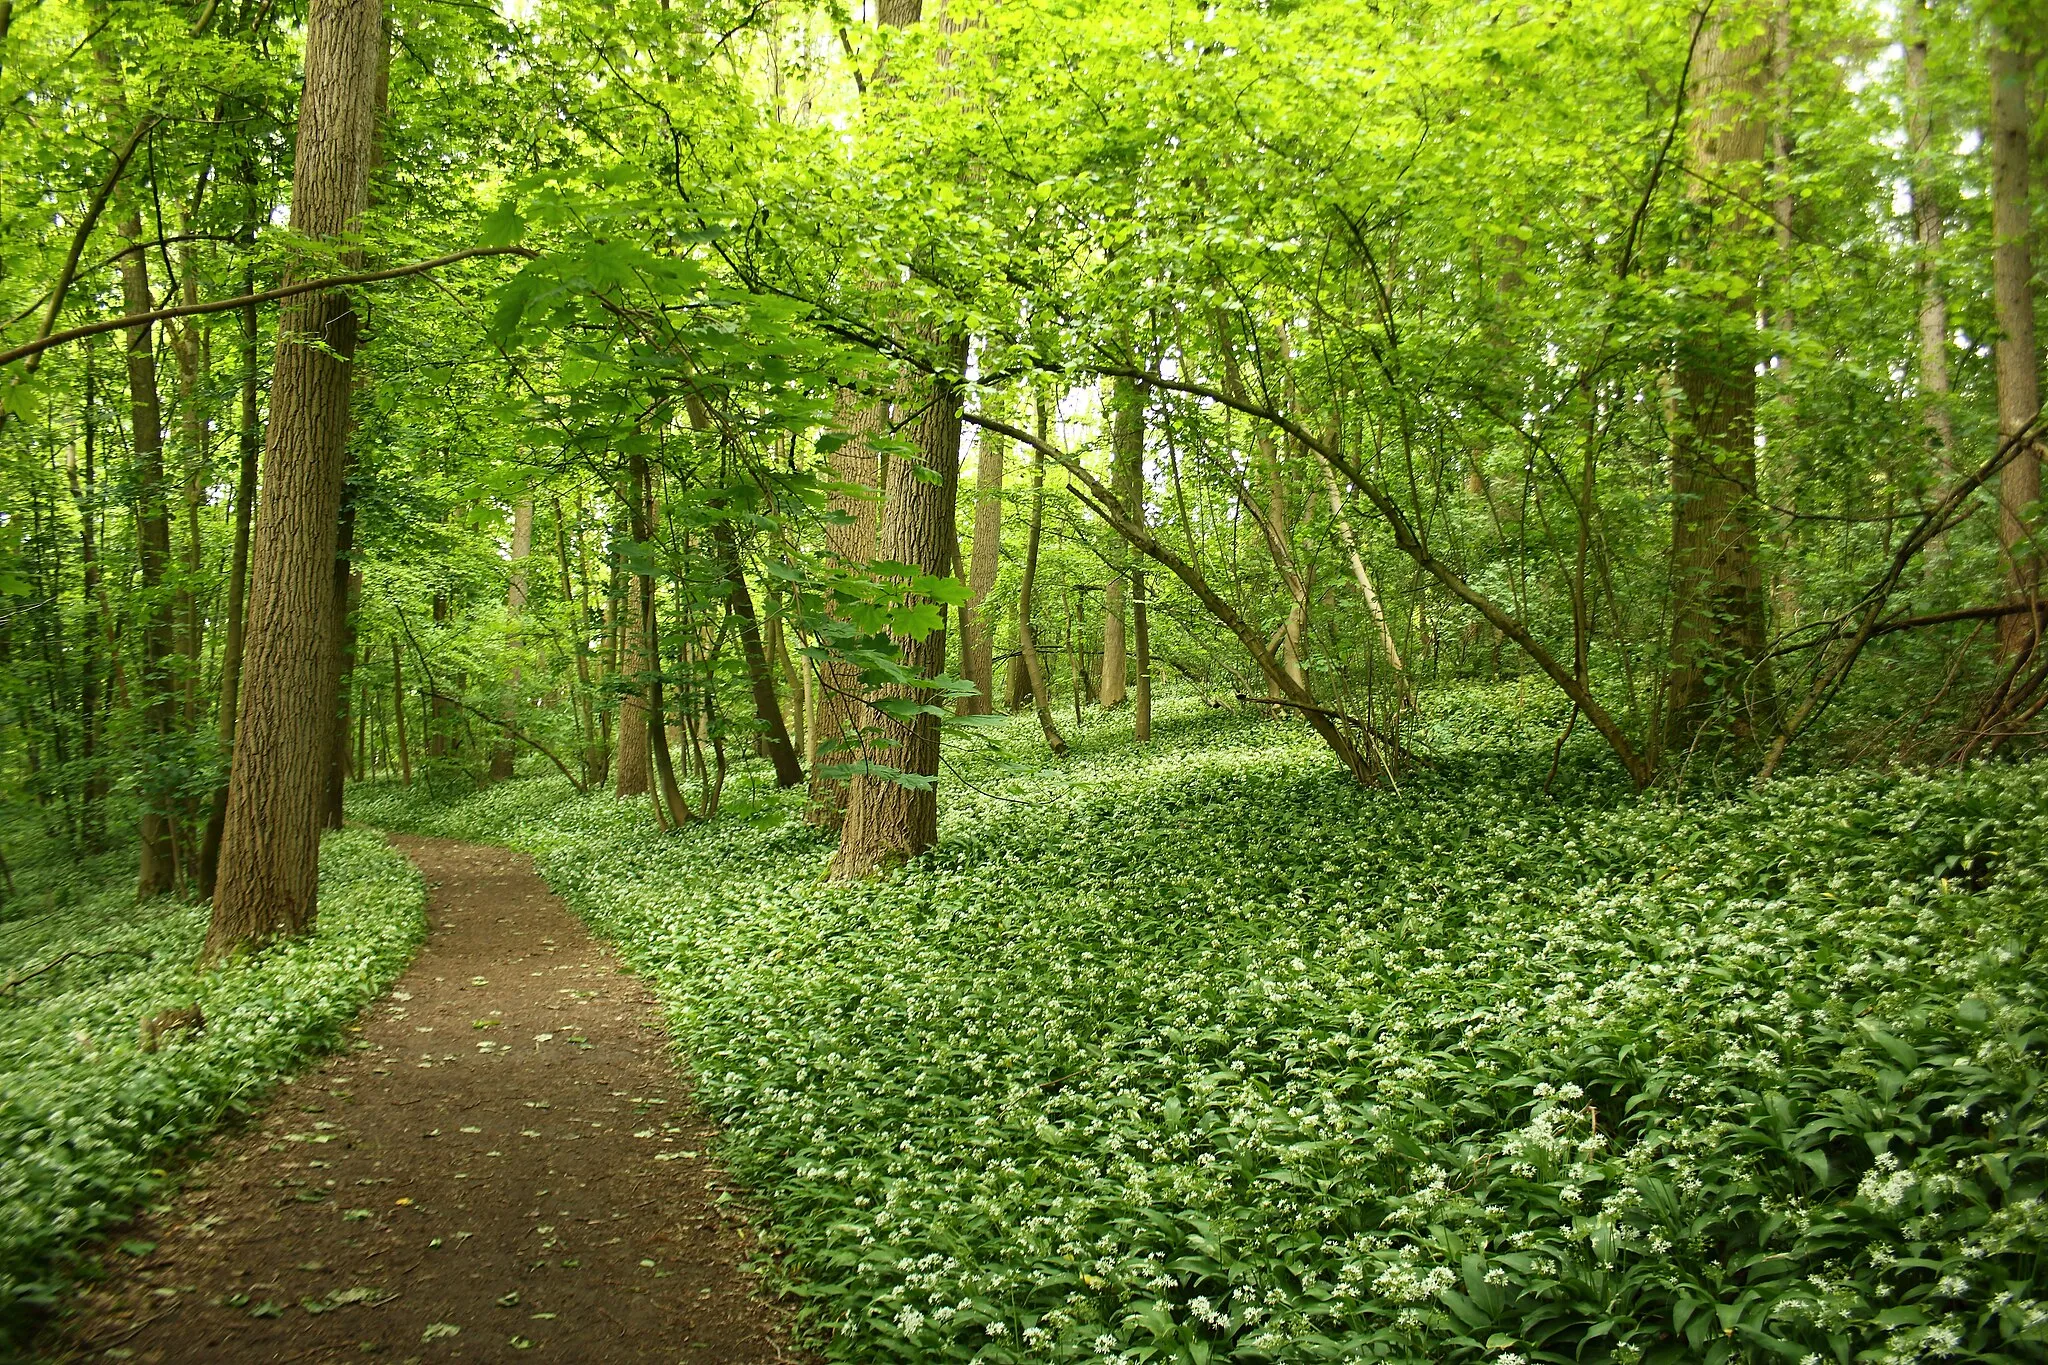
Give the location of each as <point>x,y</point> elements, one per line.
<point>62,957</point>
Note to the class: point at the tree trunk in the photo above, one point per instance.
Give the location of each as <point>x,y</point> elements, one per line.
<point>153,553</point>
<point>797,681</point>
<point>888,822</point>
<point>670,796</point>
<point>1349,537</point>
<point>2019,379</point>
<point>250,446</point>
<point>515,606</point>
<point>1127,477</point>
<point>632,762</point>
<point>1141,638</point>
<point>1717,628</point>
<point>594,759</point>
<point>789,772</point>
<point>84,496</point>
<point>1127,435</point>
<point>1027,634</point>
<point>977,619</point>
<point>341,660</point>
<point>398,712</point>
<point>850,537</point>
<point>1928,232</point>
<point>270,847</point>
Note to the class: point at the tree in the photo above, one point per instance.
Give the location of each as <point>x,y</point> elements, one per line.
<point>1717,606</point>
<point>2012,288</point>
<point>977,618</point>
<point>270,842</point>
<point>890,820</point>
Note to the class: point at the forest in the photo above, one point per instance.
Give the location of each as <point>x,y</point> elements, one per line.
<point>1151,681</point>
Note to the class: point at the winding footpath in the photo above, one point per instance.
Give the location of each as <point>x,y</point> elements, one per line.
<point>504,1165</point>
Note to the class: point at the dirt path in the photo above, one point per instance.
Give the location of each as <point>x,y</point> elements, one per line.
<point>505,1167</point>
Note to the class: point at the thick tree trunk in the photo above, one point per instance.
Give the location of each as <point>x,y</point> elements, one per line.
<point>888,822</point>
<point>1717,629</point>
<point>2019,378</point>
<point>977,619</point>
<point>506,751</point>
<point>250,446</point>
<point>270,848</point>
<point>850,536</point>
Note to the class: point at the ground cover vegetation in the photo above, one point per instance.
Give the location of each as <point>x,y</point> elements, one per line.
<point>119,1056</point>
<point>1204,1053</point>
<point>730,407</point>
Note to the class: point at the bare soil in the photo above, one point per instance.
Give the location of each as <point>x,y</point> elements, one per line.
<point>505,1166</point>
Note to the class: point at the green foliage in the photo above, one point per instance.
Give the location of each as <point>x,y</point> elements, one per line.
<point>1199,1054</point>
<point>90,1122</point>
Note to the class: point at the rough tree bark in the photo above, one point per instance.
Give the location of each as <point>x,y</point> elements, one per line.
<point>887,821</point>
<point>850,536</point>
<point>348,579</point>
<point>270,845</point>
<point>1717,609</point>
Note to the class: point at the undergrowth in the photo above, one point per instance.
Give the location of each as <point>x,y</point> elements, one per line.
<point>1199,1053</point>
<point>90,1122</point>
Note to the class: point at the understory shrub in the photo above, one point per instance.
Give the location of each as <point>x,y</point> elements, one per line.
<point>90,1122</point>
<point>1199,1053</point>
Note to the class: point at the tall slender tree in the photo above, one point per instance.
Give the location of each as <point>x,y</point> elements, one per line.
<point>2012,289</point>
<point>977,618</point>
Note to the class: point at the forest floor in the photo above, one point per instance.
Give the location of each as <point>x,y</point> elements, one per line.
<point>505,1165</point>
